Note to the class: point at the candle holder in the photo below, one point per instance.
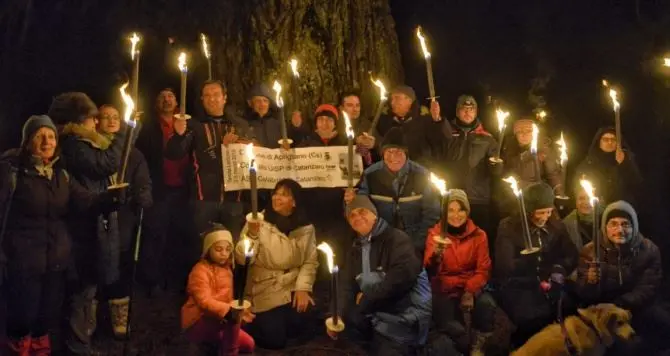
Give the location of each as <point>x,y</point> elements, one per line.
<point>442,240</point>
<point>496,160</point>
<point>182,116</point>
<point>281,142</point>
<point>117,186</point>
<point>259,217</point>
<point>241,306</point>
<point>331,326</point>
<point>530,250</point>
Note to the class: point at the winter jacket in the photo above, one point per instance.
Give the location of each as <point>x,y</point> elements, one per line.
<point>37,238</point>
<point>613,181</point>
<point>93,159</point>
<point>325,203</point>
<point>280,265</point>
<point>267,129</point>
<point>423,136</point>
<point>210,292</point>
<point>202,140</point>
<point>519,276</point>
<point>580,232</point>
<point>464,265</point>
<point>465,161</point>
<point>395,290</point>
<point>139,196</point>
<point>630,275</point>
<point>407,200</point>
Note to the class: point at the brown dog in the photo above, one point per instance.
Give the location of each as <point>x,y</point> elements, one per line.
<point>591,333</point>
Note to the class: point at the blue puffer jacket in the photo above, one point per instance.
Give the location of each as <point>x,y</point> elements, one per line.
<point>407,200</point>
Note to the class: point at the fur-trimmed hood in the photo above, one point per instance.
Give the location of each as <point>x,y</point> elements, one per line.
<point>82,133</point>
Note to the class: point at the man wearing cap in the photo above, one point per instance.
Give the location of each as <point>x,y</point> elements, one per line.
<point>466,155</point>
<point>168,219</point>
<point>518,274</point>
<point>385,295</point>
<point>423,135</point>
<point>401,190</point>
<point>629,275</point>
<point>520,162</point>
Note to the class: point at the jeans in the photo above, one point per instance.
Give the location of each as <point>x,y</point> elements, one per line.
<point>273,328</point>
<point>448,316</point>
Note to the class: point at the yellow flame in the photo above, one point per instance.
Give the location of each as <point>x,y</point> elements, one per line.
<point>514,185</point>
<point>424,48</point>
<point>134,39</point>
<point>182,62</point>
<point>666,62</point>
<point>348,129</point>
<point>250,156</point>
<point>502,115</point>
<point>606,84</point>
<point>533,143</point>
<point>278,99</point>
<point>294,67</point>
<point>590,191</point>
<point>330,256</point>
<point>382,89</point>
<point>564,150</point>
<point>130,105</point>
<point>542,114</point>
<point>615,101</point>
<point>440,184</point>
<point>205,45</point>
<point>247,247</point>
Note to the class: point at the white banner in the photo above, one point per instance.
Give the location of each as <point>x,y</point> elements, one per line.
<point>310,166</point>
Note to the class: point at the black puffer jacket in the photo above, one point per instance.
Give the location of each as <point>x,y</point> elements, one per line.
<point>630,275</point>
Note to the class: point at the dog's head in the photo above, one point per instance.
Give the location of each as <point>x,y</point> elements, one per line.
<point>610,321</point>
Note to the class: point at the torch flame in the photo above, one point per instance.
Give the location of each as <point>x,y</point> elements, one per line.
<point>130,105</point>
<point>426,54</point>
<point>247,247</point>
<point>542,114</point>
<point>325,248</point>
<point>294,67</point>
<point>502,115</point>
<point>182,62</point>
<point>588,188</point>
<point>615,101</point>
<point>533,143</point>
<point>666,62</point>
<point>606,84</point>
<point>205,45</point>
<point>440,184</point>
<point>564,150</point>
<point>251,156</point>
<point>134,39</point>
<point>382,89</point>
<point>514,185</point>
<point>347,125</point>
<point>277,88</point>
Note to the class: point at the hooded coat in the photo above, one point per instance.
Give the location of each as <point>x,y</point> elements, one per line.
<point>631,274</point>
<point>613,181</point>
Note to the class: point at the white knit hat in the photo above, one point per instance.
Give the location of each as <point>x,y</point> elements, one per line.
<point>213,236</point>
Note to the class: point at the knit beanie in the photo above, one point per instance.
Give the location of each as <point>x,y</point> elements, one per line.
<point>522,125</point>
<point>260,89</point>
<point>361,201</point>
<point>327,110</point>
<point>214,235</point>
<point>405,89</point>
<point>33,124</point>
<point>460,196</point>
<point>466,100</point>
<point>394,138</point>
<point>538,196</point>
<point>72,107</point>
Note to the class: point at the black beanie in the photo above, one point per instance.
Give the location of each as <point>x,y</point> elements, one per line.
<point>538,196</point>
<point>617,213</point>
<point>394,138</point>
<point>72,107</point>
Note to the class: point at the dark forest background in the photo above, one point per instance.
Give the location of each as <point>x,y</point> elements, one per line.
<point>523,53</point>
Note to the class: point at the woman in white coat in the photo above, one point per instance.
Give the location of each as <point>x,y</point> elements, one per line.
<point>282,270</point>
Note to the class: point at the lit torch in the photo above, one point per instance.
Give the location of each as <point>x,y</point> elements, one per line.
<point>564,165</point>
<point>295,84</point>
<point>429,66</point>
<point>207,53</point>
<point>253,181</point>
<point>441,186</point>
<point>666,62</point>
<point>533,151</point>
<point>135,57</point>
<point>284,142</point>
<point>380,107</point>
<point>350,149</point>
<point>617,117</point>
<point>502,116</point>
<point>593,201</point>
<point>333,323</point>
<point>240,303</point>
<point>182,98</point>
<point>529,248</point>
<point>130,131</point>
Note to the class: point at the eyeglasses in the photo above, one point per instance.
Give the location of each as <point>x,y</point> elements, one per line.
<point>615,225</point>
<point>608,139</point>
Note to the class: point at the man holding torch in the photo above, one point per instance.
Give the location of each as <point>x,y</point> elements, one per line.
<point>350,102</point>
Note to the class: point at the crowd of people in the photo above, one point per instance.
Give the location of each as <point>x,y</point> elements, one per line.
<point>419,273</point>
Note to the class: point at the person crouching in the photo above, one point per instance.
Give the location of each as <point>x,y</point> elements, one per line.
<point>207,317</point>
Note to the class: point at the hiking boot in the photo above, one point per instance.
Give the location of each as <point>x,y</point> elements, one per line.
<point>118,310</point>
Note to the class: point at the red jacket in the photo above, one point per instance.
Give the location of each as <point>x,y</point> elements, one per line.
<point>210,290</point>
<point>465,264</point>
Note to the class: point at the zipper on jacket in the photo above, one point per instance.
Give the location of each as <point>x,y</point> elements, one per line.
<point>619,268</point>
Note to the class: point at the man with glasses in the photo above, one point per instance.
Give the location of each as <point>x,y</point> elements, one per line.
<point>611,169</point>
<point>629,274</point>
<point>401,190</point>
